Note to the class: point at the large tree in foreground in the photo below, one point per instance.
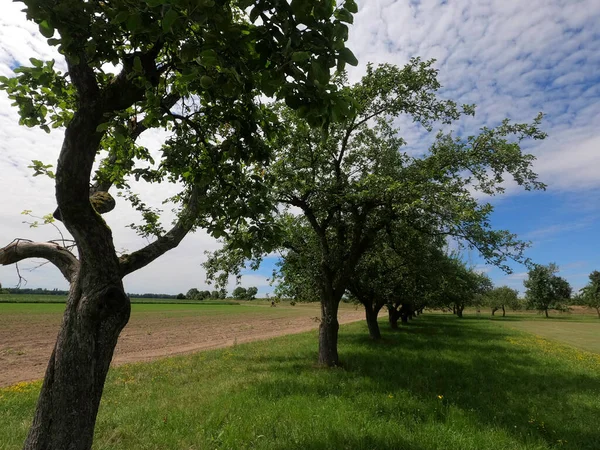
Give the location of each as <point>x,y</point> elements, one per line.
<point>197,69</point>
<point>544,289</point>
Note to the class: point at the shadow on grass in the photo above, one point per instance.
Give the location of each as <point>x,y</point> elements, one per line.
<point>469,364</point>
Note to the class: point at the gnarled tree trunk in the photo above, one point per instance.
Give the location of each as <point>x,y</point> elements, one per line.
<point>371,313</point>
<point>393,316</point>
<point>68,404</point>
<point>328,331</point>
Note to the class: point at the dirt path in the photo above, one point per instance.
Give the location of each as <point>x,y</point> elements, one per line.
<point>26,341</point>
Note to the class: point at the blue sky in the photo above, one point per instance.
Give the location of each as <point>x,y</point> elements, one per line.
<point>512,58</point>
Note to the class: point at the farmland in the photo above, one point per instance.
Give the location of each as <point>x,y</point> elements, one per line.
<point>438,383</point>
<point>28,331</point>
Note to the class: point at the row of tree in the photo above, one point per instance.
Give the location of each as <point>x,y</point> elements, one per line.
<point>320,175</point>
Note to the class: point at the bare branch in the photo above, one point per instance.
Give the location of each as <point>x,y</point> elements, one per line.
<point>21,249</point>
<point>144,256</point>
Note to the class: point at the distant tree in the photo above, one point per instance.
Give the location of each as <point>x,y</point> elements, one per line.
<point>239,293</point>
<point>251,293</point>
<point>222,293</point>
<point>590,294</point>
<point>192,293</point>
<point>181,296</point>
<point>215,295</point>
<point>545,289</point>
<point>501,298</point>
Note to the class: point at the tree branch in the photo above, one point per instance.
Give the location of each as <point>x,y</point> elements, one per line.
<point>144,256</point>
<point>21,249</point>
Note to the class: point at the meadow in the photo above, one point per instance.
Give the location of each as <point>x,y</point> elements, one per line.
<point>438,383</point>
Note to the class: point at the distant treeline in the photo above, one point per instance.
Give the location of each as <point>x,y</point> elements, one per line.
<point>40,291</point>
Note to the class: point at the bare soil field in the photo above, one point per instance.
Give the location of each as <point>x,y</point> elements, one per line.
<point>28,332</point>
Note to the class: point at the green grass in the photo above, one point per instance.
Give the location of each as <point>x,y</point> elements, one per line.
<point>585,336</point>
<point>43,298</point>
<point>439,383</point>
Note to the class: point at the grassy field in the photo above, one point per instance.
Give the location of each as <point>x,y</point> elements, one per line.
<point>439,383</point>
<point>582,335</point>
<point>34,298</point>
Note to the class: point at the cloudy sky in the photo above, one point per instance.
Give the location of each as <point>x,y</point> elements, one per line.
<point>512,58</point>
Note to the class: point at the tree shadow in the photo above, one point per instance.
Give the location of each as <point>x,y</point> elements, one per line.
<point>464,366</point>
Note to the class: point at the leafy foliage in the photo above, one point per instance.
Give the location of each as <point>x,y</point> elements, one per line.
<point>545,289</point>
<point>590,294</point>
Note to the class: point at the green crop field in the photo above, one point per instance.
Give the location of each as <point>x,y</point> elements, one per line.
<point>438,383</point>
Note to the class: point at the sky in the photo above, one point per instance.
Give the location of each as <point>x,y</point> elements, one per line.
<point>512,58</point>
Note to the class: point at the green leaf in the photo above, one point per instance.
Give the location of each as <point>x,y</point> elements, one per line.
<point>351,6</point>
<point>346,55</point>
<point>46,29</point>
<point>169,19</point>
<point>137,64</point>
<point>300,56</point>
<point>103,127</point>
<point>206,81</point>
<point>134,22</point>
<point>121,17</point>
<point>344,15</point>
<point>36,62</point>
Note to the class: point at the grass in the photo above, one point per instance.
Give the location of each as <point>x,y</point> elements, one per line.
<point>58,299</point>
<point>439,383</point>
<point>585,336</point>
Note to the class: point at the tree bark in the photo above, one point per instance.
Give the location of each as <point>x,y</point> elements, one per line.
<point>494,311</point>
<point>459,310</point>
<point>503,311</point>
<point>328,332</point>
<point>68,404</point>
<point>373,325</point>
<point>546,311</point>
<point>393,316</point>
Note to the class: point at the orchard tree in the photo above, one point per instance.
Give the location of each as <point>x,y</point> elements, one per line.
<point>351,182</point>
<point>501,298</point>
<point>462,286</point>
<point>544,289</point>
<point>196,69</point>
<point>590,294</point>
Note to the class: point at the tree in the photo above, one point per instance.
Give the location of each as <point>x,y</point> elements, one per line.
<point>239,293</point>
<point>502,297</point>
<point>354,180</point>
<point>181,296</point>
<point>192,294</point>
<point>197,69</point>
<point>544,289</point>
<point>251,293</point>
<point>590,294</point>
<point>461,286</point>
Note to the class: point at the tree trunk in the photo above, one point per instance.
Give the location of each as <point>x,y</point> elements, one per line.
<point>598,311</point>
<point>453,309</point>
<point>494,311</point>
<point>546,311</point>
<point>393,317</point>
<point>503,311</point>
<point>371,314</point>
<point>459,310</point>
<point>67,407</point>
<point>328,330</point>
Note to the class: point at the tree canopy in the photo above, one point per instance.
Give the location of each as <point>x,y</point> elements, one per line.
<point>338,190</point>
<point>199,71</point>
<point>544,289</point>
